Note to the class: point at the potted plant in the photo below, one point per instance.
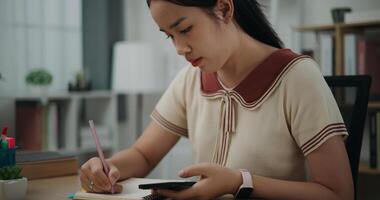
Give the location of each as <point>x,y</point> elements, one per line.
<point>80,83</point>
<point>39,80</point>
<point>12,185</point>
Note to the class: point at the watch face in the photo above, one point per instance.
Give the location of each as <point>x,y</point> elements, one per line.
<point>244,193</point>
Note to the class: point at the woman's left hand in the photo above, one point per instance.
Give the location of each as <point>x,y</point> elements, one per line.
<point>215,181</point>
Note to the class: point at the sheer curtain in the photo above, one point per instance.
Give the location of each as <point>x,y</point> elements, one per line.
<point>39,34</point>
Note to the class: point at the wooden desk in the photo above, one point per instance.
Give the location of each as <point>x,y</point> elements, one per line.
<point>52,188</point>
<point>58,188</point>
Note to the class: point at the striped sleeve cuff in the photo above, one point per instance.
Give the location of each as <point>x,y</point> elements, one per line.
<point>157,117</point>
<point>322,136</point>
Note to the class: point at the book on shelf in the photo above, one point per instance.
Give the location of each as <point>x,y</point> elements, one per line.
<point>350,64</point>
<point>350,53</point>
<point>29,125</point>
<point>369,62</point>
<point>325,53</point>
<point>37,126</point>
<point>38,164</point>
<point>378,139</point>
<point>374,146</point>
<point>51,127</point>
<point>361,55</point>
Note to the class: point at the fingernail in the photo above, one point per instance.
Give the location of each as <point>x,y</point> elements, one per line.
<point>181,173</point>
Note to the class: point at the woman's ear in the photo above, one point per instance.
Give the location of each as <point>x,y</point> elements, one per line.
<point>224,10</point>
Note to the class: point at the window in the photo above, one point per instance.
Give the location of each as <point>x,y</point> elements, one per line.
<point>40,33</point>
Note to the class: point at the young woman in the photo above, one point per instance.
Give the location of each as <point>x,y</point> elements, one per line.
<point>258,116</point>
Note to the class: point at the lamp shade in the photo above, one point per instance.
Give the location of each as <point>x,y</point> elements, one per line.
<point>136,69</point>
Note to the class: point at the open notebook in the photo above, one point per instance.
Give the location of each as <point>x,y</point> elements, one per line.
<point>130,191</point>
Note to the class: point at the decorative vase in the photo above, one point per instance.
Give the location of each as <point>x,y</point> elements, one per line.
<point>338,14</point>
<point>39,89</point>
<point>14,189</point>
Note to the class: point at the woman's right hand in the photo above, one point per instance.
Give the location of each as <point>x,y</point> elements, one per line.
<point>93,179</point>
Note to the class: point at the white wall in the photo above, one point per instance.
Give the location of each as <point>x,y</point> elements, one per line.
<point>293,13</point>
<point>283,15</point>
<point>318,12</point>
<point>288,16</point>
<point>140,27</point>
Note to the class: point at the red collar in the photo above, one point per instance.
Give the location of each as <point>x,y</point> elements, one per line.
<point>259,81</point>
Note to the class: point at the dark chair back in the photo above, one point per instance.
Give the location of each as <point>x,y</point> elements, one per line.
<point>354,111</point>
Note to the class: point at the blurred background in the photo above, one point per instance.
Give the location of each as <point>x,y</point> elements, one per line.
<point>63,62</point>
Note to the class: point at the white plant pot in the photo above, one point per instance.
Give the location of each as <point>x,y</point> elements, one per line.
<point>14,189</point>
<point>39,90</point>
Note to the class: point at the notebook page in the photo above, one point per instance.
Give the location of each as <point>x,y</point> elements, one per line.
<point>130,191</point>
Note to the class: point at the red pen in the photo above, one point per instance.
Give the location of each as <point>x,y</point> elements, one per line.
<point>9,140</point>
<point>100,151</point>
<point>4,133</point>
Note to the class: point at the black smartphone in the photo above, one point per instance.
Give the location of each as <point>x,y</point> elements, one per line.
<point>173,185</point>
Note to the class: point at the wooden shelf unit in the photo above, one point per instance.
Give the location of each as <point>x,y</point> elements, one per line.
<point>76,109</point>
<point>339,30</point>
<point>332,27</point>
<point>365,169</point>
<point>374,105</point>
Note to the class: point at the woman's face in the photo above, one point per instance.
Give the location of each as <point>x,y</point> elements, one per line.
<point>203,39</point>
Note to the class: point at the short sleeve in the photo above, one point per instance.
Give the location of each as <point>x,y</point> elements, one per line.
<point>313,113</point>
<point>170,111</point>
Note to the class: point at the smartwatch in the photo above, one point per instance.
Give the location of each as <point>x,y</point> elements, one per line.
<point>246,189</point>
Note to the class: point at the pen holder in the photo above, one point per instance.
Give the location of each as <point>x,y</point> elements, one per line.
<point>7,157</point>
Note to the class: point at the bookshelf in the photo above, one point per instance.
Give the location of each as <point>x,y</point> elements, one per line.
<point>341,25</point>
<point>338,31</point>
<point>374,105</point>
<point>365,169</point>
<point>75,109</point>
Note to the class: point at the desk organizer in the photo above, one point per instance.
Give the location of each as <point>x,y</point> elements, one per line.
<point>7,157</point>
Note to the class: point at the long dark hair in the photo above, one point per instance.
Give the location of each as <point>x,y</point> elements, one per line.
<point>248,15</point>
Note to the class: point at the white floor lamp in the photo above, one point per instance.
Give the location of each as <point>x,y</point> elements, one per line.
<point>137,71</point>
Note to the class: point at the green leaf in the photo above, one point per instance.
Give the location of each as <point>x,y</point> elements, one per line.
<point>10,172</point>
<point>39,77</point>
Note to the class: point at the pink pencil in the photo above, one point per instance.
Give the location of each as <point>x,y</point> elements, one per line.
<point>99,149</point>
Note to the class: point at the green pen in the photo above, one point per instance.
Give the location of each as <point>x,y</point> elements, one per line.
<point>3,137</point>
<point>71,195</point>
<point>4,144</point>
